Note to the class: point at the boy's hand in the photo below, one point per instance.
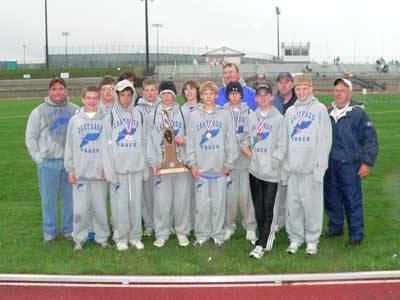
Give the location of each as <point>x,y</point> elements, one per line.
<point>103,176</point>
<point>72,178</point>
<point>180,140</point>
<point>364,170</point>
<point>156,172</point>
<point>247,152</point>
<point>195,173</point>
<point>225,171</point>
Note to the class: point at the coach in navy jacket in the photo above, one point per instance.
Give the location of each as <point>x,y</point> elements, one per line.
<point>354,151</point>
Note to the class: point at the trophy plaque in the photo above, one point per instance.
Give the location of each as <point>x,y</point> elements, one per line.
<point>171,164</point>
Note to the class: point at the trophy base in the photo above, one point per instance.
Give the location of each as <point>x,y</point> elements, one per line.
<point>173,170</point>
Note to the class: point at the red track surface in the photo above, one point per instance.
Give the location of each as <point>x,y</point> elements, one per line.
<point>376,290</point>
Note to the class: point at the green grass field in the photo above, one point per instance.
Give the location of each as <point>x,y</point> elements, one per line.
<point>22,250</point>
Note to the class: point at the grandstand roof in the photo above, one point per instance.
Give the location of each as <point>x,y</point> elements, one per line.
<point>224,52</point>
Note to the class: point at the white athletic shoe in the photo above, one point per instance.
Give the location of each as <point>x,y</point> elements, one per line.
<point>48,239</point>
<point>148,232</point>
<point>257,252</point>
<point>293,248</point>
<point>122,246</point>
<point>68,236</point>
<point>228,234</point>
<point>105,245</point>
<point>199,243</point>
<point>218,243</point>
<point>137,244</point>
<point>312,248</point>
<point>251,237</point>
<point>78,247</point>
<point>159,243</point>
<point>183,240</point>
<point>277,228</point>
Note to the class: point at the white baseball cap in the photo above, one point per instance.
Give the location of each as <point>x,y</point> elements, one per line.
<point>123,84</point>
<point>345,81</point>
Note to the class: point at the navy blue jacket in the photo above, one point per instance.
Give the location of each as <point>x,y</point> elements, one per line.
<point>354,137</point>
<point>278,102</point>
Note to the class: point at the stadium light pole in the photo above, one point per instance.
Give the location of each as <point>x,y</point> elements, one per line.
<point>46,33</point>
<point>157,26</point>
<point>66,34</point>
<point>278,12</point>
<point>146,14</point>
<point>24,46</point>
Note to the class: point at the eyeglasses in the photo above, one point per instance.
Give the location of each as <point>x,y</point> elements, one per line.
<point>107,89</point>
<point>339,91</point>
<point>229,72</point>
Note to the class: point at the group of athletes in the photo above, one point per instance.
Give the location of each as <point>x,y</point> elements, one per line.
<point>268,161</point>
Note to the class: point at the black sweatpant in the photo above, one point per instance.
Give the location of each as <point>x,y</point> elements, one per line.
<point>264,194</point>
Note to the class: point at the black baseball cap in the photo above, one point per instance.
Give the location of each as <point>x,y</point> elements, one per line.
<point>234,86</point>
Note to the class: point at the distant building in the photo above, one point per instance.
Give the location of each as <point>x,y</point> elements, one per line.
<point>296,52</point>
<point>224,55</point>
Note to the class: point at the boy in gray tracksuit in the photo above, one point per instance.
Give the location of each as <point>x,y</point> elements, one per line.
<point>238,186</point>
<point>146,105</point>
<point>171,191</point>
<point>211,151</point>
<point>84,163</point>
<point>264,144</point>
<point>125,134</point>
<point>191,94</point>
<point>310,139</point>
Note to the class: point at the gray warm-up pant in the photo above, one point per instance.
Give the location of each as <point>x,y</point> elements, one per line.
<point>126,198</point>
<point>281,194</point>
<point>89,197</point>
<point>304,208</point>
<point>171,205</point>
<point>192,197</point>
<point>148,202</point>
<point>210,208</point>
<point>238,195</point>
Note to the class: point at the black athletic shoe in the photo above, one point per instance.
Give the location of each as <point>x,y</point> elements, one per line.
<point>353,243</point>
<point>330,234</point>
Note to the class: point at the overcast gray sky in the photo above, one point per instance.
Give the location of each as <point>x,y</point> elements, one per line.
<point>361,29</point>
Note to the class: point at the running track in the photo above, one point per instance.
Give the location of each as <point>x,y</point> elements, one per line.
<point>363,286</point>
